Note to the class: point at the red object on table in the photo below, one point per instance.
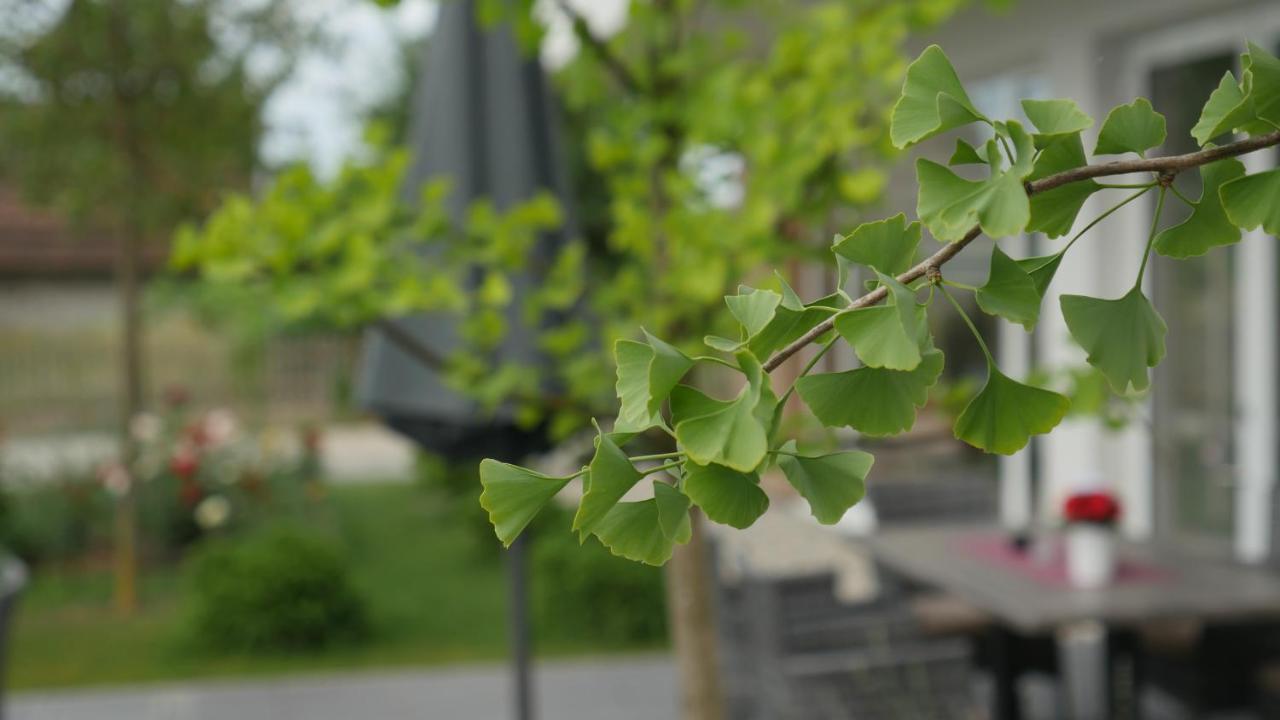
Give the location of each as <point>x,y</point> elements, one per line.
<point>995,548</point>
<point>1093,507</point>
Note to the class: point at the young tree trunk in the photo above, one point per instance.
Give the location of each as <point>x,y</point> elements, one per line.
<point>691,612</point>
<point>126,522</point>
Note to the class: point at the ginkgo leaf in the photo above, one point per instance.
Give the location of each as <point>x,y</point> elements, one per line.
<point>1134,128</point>
<point>891,335</point>
<point>789,323</point>
<point>831,483</point>
<point>725,495</point>
<point>1264,71</point>
<point>1227,109</point>
<point>647,531</point>
<point>880,338</point>
<point>950,205</point>
<point>933,101</point>
<point>1053,212</point>
<point>753,308</point>
<point>1123,337</point>
<point>1004,415</point>
<point>609,476</point>
<point>1009,292</point>
<point>872,401</point>
<point>673,512</point>
<point>1253,200</point>
<point>513,496</point>
<point>1055,120</point>
<point>716,431</point>
<point>646,374</point>
<point>1208,226</point>
<point>966,154</point>
<point>1041,270</point>
<point>886,245</point>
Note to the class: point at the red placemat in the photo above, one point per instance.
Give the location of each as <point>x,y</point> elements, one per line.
<point>1050,567</point>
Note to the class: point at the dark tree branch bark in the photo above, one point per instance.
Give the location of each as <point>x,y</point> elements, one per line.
<point>1170,165</point>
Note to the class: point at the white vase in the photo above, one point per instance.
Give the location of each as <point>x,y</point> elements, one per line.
<point>1091,555</point>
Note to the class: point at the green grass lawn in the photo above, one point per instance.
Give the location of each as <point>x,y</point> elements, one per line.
<point>435,596</point>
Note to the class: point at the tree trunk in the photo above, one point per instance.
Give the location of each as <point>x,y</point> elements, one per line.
<point>126,521</point>
<point>691,610</point>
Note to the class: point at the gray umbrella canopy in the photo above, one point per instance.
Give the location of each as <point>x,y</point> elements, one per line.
<point>482,117</point>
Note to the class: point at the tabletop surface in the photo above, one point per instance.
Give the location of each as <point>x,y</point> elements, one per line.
<point>1158,584</point>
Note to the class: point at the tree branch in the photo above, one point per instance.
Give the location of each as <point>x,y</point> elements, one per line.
<point>607,57</point>
<point>405,340</point>
<point>1167,165</point>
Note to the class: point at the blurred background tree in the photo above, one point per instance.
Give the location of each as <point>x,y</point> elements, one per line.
<point>709,140</point>
<point>131,116</point>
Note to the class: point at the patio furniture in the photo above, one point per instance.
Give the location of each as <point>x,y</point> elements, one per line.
<point>793,650</point>
<point>1029,601</point>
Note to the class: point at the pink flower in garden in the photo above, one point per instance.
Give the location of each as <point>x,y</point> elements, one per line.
<point>115,477</point>
<point>220,427</point>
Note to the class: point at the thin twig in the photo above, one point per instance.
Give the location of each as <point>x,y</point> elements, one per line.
<point>600,48</point>
<point>410,344</point>
<point>1168,165</point>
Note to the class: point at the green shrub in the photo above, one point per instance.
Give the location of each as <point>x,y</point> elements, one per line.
<point>55,521</point>
<point>282,589</point>
<point>583,592</point>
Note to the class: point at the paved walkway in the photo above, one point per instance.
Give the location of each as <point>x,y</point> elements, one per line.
<point>610,689</point>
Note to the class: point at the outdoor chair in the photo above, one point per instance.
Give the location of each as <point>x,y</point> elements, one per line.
<point>794,650</point>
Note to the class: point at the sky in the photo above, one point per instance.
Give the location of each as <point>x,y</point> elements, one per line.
<point>317,114</point>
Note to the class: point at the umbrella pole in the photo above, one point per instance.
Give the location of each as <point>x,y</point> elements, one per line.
<point>517,575</point>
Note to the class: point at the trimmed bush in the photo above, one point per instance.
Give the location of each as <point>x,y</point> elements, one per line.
<point>282,589</point>
<point>583,592</point>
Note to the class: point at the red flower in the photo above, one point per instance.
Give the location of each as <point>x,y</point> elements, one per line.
<point>184,464</point>
<point>1094,507</point>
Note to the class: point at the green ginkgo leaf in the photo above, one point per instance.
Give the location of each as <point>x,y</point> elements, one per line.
<point>609,476</point>
<point>872,401</point>
<point>1264,86</point>
<point>513,495</point>
<point>1253,200</point>
<point>966,154</point>
<point>1123,337</point>
<point>646,374</point>
<point>886,245</point>
<point>790,320</point>
<point>1134,128</point>
<point>1055,120</point>
<point>1004,415</point>
<point>933,101</point>
<point>753,308</point>
<point>716,431</point>
<point>1009,292</point>
<point>1208,227</point>
<point>647,531</point>
<point>1041,270</point>
<point>831,483</point>
<point>725,495</point>
<point>950,205</point>
<point>1228,108</point>
<point>1053,212</point>
<point>891,335</point>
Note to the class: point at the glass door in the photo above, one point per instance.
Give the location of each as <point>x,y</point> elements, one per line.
<point>1192,401</point>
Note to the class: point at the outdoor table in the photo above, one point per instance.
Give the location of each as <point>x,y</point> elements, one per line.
<point>1026,597</point>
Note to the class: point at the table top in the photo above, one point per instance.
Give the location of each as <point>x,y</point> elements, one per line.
<point>1154,583</point>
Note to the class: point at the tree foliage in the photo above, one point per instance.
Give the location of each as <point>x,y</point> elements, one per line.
<point>722,446</point>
